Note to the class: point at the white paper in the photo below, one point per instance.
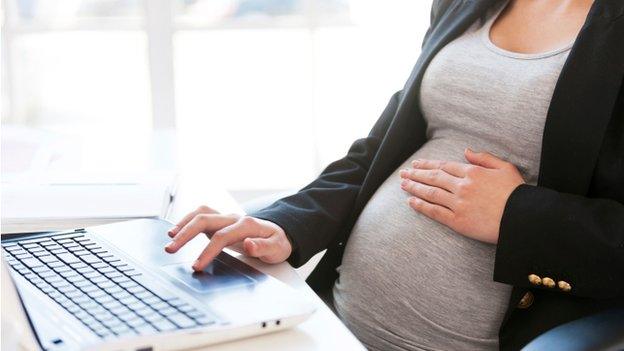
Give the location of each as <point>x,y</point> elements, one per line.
<point>71,202</point>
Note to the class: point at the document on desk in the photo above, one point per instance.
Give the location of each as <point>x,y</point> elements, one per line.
<point>75,202</point>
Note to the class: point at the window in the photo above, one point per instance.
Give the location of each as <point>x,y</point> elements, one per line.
<point>265,92</point>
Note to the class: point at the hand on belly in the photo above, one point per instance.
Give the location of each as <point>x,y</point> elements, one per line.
<point>468,198</point>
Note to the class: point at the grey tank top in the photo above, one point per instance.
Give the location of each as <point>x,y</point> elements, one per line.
<point>407,282</point>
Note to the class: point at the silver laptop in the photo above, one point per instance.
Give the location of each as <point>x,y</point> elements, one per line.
<point>113,287</point>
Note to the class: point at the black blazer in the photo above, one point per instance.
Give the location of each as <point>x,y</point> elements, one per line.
<point>569,227</point>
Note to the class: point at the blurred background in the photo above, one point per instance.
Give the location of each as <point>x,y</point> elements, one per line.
<point>258,95</point>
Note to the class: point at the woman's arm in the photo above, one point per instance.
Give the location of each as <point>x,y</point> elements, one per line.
<point>565,237</point>
<point>313,216</point>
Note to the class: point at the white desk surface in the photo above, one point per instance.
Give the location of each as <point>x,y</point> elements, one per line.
<point>322,331</point>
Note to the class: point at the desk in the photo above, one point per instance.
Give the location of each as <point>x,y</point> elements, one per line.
<point>196,186</point>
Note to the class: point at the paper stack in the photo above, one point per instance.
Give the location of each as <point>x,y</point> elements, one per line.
<point>70,202</point>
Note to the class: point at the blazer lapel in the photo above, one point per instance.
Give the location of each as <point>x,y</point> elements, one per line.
<point>583,101</point>
<point>406,132</point>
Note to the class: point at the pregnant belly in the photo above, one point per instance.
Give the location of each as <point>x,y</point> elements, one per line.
<point>410,279</point>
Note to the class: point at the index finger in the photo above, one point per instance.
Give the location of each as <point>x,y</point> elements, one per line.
<point>202,223</point>
<point>239,231</point>
<point>456,169</point>
<point>189,217</point>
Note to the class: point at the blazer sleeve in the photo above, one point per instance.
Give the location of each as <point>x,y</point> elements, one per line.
<point>565,237</point>
<point>314,216</point>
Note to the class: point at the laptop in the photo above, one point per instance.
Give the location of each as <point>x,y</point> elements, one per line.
<point>113,287</point>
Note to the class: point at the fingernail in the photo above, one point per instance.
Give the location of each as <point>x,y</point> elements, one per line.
<point>415,163</point>
<point>404,183</point>
<point>170,246</point>
<point>174,229</point>
<point>468,150</point>
<point>196,266</point>
<point>403,173</point>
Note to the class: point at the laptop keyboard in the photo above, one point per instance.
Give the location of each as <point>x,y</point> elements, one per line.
<point>99,289</point>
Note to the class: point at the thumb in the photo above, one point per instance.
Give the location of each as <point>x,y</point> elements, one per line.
<point>259,247</point>
<point>483,159</point>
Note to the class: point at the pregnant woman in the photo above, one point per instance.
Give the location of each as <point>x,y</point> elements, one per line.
<point>486,205</point>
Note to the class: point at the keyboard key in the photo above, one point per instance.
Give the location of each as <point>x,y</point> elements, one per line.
<point>64,241</point>
<point>126,317</point>
<point>138,305</point>
<point>75,249</point>
<point>85,270</point>
<point>40,253</point>
<point>31,262</point>
<point>107,270</point>
<point>47,259</point>
<point>75,278</point>
<point>90,259</point>
<point>146,312</point>
<point>120,310</point>
<point>76,265</point>
<point>159,305</point>
<point>168,311</point>
<point>181,320</point>
<point>108,258</point>
<point>136,289</point>
<point>195,314</point>
<point>112,304</point>
<point>204,320</point>
<point>185,308</point>
<point>65,271</point>
<point>136,322</point>
<point>99,265</point>
<point>164,325</point>
<point>153,317</point>
<point>112,323</point>
<point>68,258</point>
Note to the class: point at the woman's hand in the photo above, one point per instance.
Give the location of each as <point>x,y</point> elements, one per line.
<point>251,236</point>
<point>468,198</point>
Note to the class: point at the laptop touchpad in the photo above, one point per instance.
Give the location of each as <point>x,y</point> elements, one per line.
<point>216,276</point>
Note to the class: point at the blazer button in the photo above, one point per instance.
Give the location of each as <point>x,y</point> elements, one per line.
<point>565,286</point>
<point>526,301</point>
<point>548,282</point>
<point>535,279</point>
